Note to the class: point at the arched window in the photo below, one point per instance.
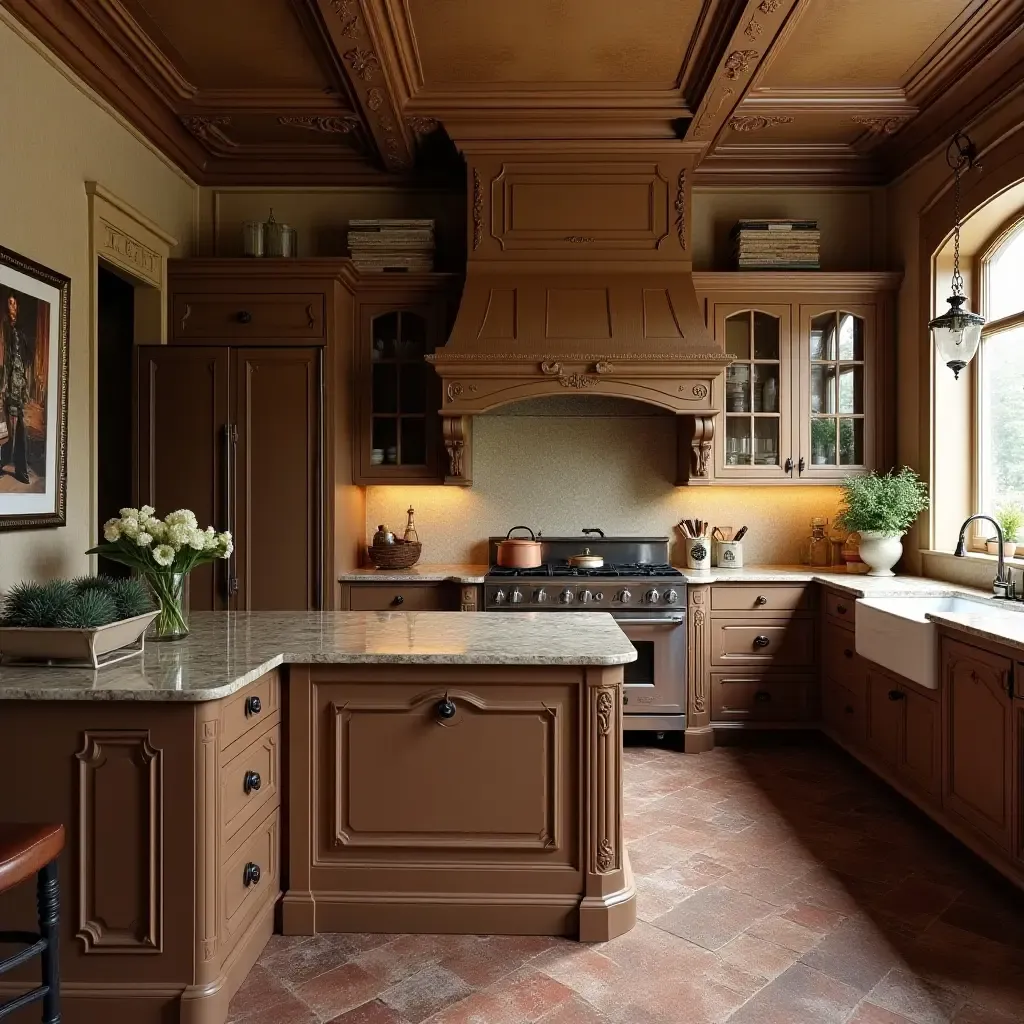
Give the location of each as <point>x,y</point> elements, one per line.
<point>1001,372</point>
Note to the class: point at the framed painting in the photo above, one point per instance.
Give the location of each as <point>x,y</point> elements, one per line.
<point>35,304</point>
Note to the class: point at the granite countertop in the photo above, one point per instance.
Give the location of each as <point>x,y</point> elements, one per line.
<point>849,583</point>
<point>424,573</point>
<point>229,650</point>
<point>1003,625</point>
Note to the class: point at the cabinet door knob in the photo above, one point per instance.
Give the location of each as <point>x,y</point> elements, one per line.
<point>762,696</point>
<point>398,599</point>
<point>848,709</point>
<point>625,698</point>
<point>847,653</point>
<point>445,709</point>
<point>761,599</point>
<point>801,465</point>
<point>841,608</point>
<point>253,705</point>
<point>251,782</point>
<point>244,316</point>
<point>761,641</point>
<point>788,467</point>
<point>895,695</point>
<point>250,874</point>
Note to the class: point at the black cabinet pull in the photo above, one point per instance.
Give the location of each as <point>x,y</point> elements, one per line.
<point>847,653</point>
<point>398,599</point>
<point>895,695</point>
<point>801,465</point>
<point>445,709</point>
<point>625,698</point>
<point>253,705</point>
<point>841,608</point>
<point>761,641</point>
<point>761,599</point>
<point>762,696</point>
<point>244,316</point>
<point>848,709</point>
<point>788,467</point>
<point>250,874</point>
<point>251,782</point>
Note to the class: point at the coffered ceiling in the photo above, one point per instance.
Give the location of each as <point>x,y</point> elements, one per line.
<point>350,91</point>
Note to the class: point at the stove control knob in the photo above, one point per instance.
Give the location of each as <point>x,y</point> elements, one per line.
<point>651,597</point>
<point>624,597</point>
<point>566,596</point>
<point>499,597</point>
<point>671,597</point>
<point>540,595</point>
<point>517,596</point>
<point>586,597</point>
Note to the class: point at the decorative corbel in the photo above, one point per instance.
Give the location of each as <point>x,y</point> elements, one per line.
<point>456,432</point>
<point>696,434</point>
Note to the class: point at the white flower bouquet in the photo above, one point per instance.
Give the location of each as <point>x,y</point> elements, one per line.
<point>163,551</point>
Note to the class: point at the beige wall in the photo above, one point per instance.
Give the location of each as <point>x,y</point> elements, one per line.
<point>56,137</point>
<point>559,473</point>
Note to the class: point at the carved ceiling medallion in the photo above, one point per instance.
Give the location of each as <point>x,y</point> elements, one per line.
<point>375,99</point>
<point>769,6</point>
<point>334,124</point>
<point>753,29</point>
<point>363,63</point>
<point>738,63</point>
<point>755,122</point>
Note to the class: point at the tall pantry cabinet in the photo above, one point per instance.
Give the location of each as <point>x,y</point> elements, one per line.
<point>243,417</point>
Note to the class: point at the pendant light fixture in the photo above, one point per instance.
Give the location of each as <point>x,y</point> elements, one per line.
<point>957,332</point>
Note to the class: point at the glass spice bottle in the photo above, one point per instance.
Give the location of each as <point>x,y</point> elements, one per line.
<point>818,548</point>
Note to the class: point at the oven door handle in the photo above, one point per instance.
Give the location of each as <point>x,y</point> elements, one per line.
<point>674,620</point>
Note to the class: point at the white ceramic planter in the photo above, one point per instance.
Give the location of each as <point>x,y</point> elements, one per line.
<point>880,551</point>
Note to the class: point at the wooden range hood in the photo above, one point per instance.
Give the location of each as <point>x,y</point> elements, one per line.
<point>579,282</point>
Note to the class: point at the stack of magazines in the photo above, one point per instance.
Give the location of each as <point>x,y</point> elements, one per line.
<point>383,244</point>
<point>776,244</point>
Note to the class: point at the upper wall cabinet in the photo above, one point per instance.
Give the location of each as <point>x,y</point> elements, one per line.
<point>809,397</point>
<point>397,439</point>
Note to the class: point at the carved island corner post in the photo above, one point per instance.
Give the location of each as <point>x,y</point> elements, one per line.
<point>608,907</point>
<point>698,736</point>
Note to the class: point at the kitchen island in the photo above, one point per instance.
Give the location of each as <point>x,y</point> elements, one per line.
<point>318,773</point>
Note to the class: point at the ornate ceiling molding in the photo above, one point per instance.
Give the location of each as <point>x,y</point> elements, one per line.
<point>329,124</point>
<point>757,122</point>
<point>208,129</point>
<point>881,125</point>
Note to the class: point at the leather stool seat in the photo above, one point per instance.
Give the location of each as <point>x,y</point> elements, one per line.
<point>25,850</point>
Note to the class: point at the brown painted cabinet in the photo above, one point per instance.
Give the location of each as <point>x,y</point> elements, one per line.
<point>978,733</point>
<point>397,439</point>
<point>236,435</point>
<point>807,397</point>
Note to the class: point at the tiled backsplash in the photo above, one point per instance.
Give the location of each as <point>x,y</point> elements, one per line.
<point>558,471</point>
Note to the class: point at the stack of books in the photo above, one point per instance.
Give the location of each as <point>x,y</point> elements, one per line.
<point>383,244</point>
<point>776,244</point>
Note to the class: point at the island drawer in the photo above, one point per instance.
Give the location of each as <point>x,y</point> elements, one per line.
<point>398,597</point>
<point>250,783</point>
<point>841,608</point>
<point>250,877</point>
<point>764,598</point>
<point>250,710</point>
<point>787,643</point>
<point>753,697</point>
<point>250,315</point>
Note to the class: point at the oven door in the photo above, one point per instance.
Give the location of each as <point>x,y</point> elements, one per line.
<point>655,684</point>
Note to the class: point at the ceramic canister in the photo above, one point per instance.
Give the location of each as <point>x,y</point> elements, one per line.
<point>698,553</point>
<point>729,554</point>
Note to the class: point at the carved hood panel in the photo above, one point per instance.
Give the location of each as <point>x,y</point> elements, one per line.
<point>578,281</point>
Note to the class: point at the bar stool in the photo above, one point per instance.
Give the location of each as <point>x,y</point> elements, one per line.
<point>27,850</point>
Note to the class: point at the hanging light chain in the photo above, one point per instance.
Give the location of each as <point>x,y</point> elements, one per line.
<point>958,281</point>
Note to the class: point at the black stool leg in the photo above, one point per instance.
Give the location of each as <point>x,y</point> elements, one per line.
<point>48,898</point>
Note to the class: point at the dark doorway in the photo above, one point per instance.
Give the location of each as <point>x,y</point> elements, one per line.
<point>116,323</point>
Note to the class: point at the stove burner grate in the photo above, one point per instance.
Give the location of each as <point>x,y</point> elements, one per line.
<point>561,569</point>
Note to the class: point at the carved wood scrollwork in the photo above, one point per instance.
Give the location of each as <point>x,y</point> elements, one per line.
<point>604,769</point>
<point>455,431</point>
<point>577,381</point>
<point>605,704</point>
<point>603,367</point>
<point>551,369</point>
<point>680,208</point>
<point>698,649</point>
<point>703,436</point>
<point>478,209</point>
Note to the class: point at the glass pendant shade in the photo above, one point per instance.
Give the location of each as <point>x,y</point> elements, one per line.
<point>957,334</point>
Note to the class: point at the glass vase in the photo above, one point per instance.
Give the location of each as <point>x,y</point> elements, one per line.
<point>170,589</point>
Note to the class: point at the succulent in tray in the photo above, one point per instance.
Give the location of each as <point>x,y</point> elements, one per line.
<point>87,602</point>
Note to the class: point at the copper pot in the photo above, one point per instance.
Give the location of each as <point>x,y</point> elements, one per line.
<point>586,560</point>
<point>518,552</point>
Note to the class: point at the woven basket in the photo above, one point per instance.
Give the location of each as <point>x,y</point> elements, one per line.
<point>400,555</point>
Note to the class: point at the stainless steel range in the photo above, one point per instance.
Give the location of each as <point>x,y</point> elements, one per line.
<point>637,586</point>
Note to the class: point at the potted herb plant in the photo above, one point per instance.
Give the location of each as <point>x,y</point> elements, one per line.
<point>1010,518</point>
<point>881,508</point>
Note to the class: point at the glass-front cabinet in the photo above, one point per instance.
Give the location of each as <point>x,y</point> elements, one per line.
<point>755,395</point>
<point>399,394</point>
<point>837,425</point>
<point>809,395</point>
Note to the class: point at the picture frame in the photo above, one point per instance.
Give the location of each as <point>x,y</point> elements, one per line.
<point>35,307</point>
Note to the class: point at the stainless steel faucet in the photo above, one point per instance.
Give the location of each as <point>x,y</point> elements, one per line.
<point>1001,586</point>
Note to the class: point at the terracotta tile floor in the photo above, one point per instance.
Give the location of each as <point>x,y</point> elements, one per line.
<point>776,885</point>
